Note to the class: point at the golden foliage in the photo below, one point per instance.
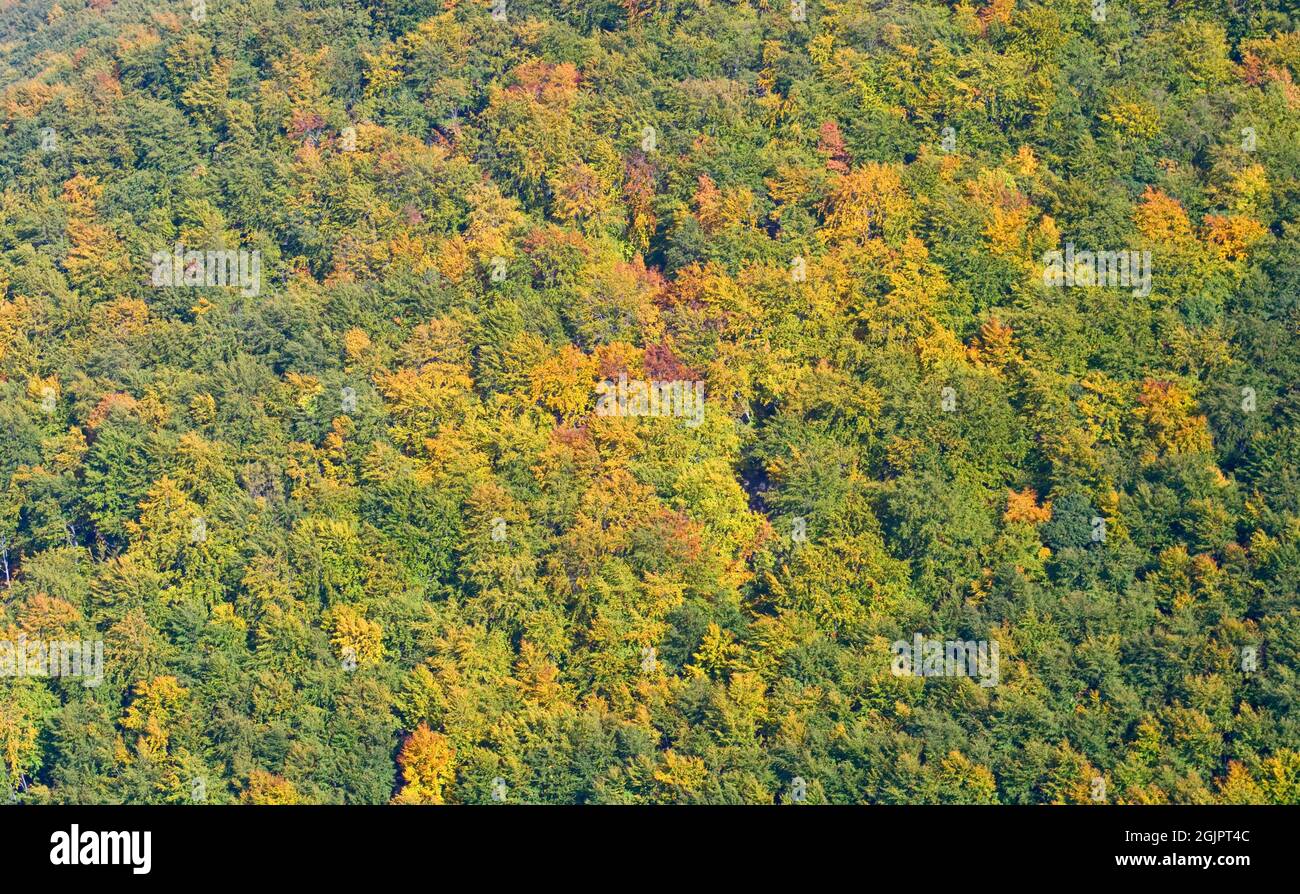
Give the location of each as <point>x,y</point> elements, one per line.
<point>1023,506</point>
<point>428,762</point>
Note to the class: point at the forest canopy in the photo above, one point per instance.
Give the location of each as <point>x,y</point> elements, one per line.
<point>655,401</point>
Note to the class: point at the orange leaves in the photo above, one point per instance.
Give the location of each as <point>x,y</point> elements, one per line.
<point>95,254</point>
<point>581,194</point>
<point>267,788</point>
<point>15,320</point>
<point>547,82</point>
<point>1162,218</point>
<point>47,617</point>
<point>998,12</point>
<point>1230,238</point>
<point>831,145</point>
<point>1023,506</point>
<point>716,210</point>
<point>993,345</point>
<point>1025,163</point>
<point>1273,59</point>
<point>355,344</point>
<point>453,260</point>
<point>82,194</point>
<point>557,254</point>
<point>539,678</point>
<point>427,760</point>
<point>118,401</point>
<point>708,205</point>
<point>28,98</point>
<point>1007,230</point>
<point>638,196</point>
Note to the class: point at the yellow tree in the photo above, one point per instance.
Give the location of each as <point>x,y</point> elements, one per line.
<point>427,760</point>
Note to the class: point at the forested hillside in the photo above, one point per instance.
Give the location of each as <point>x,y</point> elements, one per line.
<point>605,397</point>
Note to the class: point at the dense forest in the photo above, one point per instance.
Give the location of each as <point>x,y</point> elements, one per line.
<point>436,401</point>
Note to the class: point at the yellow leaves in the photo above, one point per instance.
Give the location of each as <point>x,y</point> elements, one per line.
<point>383,73</point>
<point>610,510</point>
<point>539,678</point>
<point>821,47</point>
<point>224,616</point>
<point>582,194</point>
<point>15,319</point>
<point>355,344</point>
<point>428,761</point>
<point>718,652</point>
<point>717,210</point>
<point>565,383</point>
<point>1024,162</point>
<point>1280,777</point>
<point>355,640</point>
<point>166,526</point>
<point>1231,237</point>
<point>20,729</point>
<point>409,252</point>
<point>1201,50</point>
<point>421,401</point>
<point>1238,787</point>
<point>304,387</point>
<point>203,408</point>
<point>1249,190</point>
<point>998,12</point>
<point>707,202</point>
<point>789,186</point>
<point>745,706</point>
<point>493,220</point>
<point>683,775</point>
<point>66,451</point>
<point>301,77</point>
<point>438,341</point>
<point>27,98</point>
<point>1162,218</point>
<point>996,189</point>
<point>453,259</point>
<point>1281,49</point>
<point>1132,118</point>
<point>44,391</point>
<point>269,789</point>
<point>866,203</point>
<point>95,254</point>
<point>966,782</point>
<point>1070,781</point>
<point>1165,409</point>
<point>47,617</point>
<point>1006,230</point>
<point>122,317</point>
<point>993,346</point>
<point>157,704</point>
<point>1023,506</point>
<point>137,39</point>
